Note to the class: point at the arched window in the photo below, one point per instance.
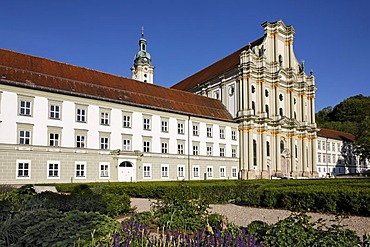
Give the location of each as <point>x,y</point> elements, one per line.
<point>125,164</point>
<point>281,146</point>
<point>254,107</point>
<point>268,149</point>
<point>267,110</point>
<point>254,152</point>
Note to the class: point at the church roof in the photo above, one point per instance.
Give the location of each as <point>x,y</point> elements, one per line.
<point>335,134</point>
<point>43,74</point>
<point>214,70</point>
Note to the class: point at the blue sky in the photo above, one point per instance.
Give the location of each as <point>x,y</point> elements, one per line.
<point>332,37</point>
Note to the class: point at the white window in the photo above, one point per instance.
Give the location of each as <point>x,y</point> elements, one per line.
<point>234,172</point>
<point>126,121</point>
<point>338,147</point>
<point>319,145</point>
<point>146,146</point>
<point>104,170</point>
<point>164,171</point>
<point>54,139</point>
<point>323,145</point>
<point>328,146</point>
<point>147,171</point>
<point>126,144</point>
<point>164,125</point>
<point>209,150</point>
<point>80,141</point>
<point>222,151</point>
<point>53,169</point>
<point>319,157</point>
<point>81,115</point>
<point>80,169</point>
<point>195,130</point>
<point>146,123</point>
<point>195,150</point>
<point>333,147</point>
<point>25,108</point>
<point>329,158</point>
<point>180,171</point>
<point>180,128</point>
<point>164,147</point>
<point>24,137</point>
<point>222,133</point>
<point>23,169</point>
<point>209,171</point>
<point>195,171</point>
<point>180,148</point>
<point>233,135</point>
<point>104,118</point>
<point>222,172</point>
<point>324,158</point>
<point>319,169</point>
<point>334,158</point>
<point>233,152</point>
<point>54,111</point>
<point>209,131</point>
<point>104,143</point>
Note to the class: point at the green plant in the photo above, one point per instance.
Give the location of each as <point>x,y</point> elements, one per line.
<point>180,209</point>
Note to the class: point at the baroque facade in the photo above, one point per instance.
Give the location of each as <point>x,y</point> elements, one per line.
<point>271,98</point>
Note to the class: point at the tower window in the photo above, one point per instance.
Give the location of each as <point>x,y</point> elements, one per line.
<point>145,75</point>
<point>281,97</point>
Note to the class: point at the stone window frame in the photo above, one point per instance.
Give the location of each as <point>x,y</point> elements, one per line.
<point>53,169</point>
<point>165,171</point>
<point>104,116</point>
<point>180,127</point>
<point>23,169</point>
<point>81,133</point>
<point>180,171</point>
<point>195,129</point>
<point>147,143</point>
<point>209,149</point>
<point>104,173</point>
<point>30,100</point>
<point>54,130</point>
<point>147,122</point>
<point>195,148</point>
<point>106,137</point>
<point>222,173</point>
<point>234,172</point>
<point>180,147</point>
<point>147,171</point>
<point>222,133</point>
<point>164,125</point>
<point>53,112</point>
<point>209,131</point>
<point>23,128</point>
<point>209,172</point>
<point>78,170</point>
<point>81,113</point>
<point>222,151</point>
<point>126,147</point>
<point>126,119</point>
<point>195,171</point>
<point>164,146</point>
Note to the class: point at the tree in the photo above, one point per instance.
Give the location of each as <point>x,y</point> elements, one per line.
<point>362,142</point>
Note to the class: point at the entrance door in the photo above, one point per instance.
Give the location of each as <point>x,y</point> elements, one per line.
<point>126,172</point>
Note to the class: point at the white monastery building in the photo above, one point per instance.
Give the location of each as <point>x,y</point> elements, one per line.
<point>250,115</point>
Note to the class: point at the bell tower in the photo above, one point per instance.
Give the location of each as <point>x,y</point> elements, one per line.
<point>142,70</point>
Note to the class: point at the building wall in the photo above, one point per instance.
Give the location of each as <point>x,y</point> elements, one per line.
<point>331,161</point>
<point>37,149</point>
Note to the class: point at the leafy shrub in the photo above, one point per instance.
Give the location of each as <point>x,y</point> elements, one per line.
<point>117,204</point>
<point>53,228</point>
<point>180,209</point>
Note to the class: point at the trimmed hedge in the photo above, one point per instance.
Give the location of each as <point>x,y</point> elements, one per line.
<point>345,196</point>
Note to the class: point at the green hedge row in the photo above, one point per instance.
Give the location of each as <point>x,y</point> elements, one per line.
<point>348,196</point>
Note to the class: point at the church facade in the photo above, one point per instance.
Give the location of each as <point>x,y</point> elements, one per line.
<point>272,99</point>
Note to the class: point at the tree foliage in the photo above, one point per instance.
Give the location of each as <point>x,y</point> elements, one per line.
<point>353,116</point>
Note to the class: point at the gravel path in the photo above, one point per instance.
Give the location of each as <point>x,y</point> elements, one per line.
<point>242,216</point>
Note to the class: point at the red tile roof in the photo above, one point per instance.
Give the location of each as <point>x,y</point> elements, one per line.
<point>44,74</point>
<point>335,134</point>
<point>215,69</point>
